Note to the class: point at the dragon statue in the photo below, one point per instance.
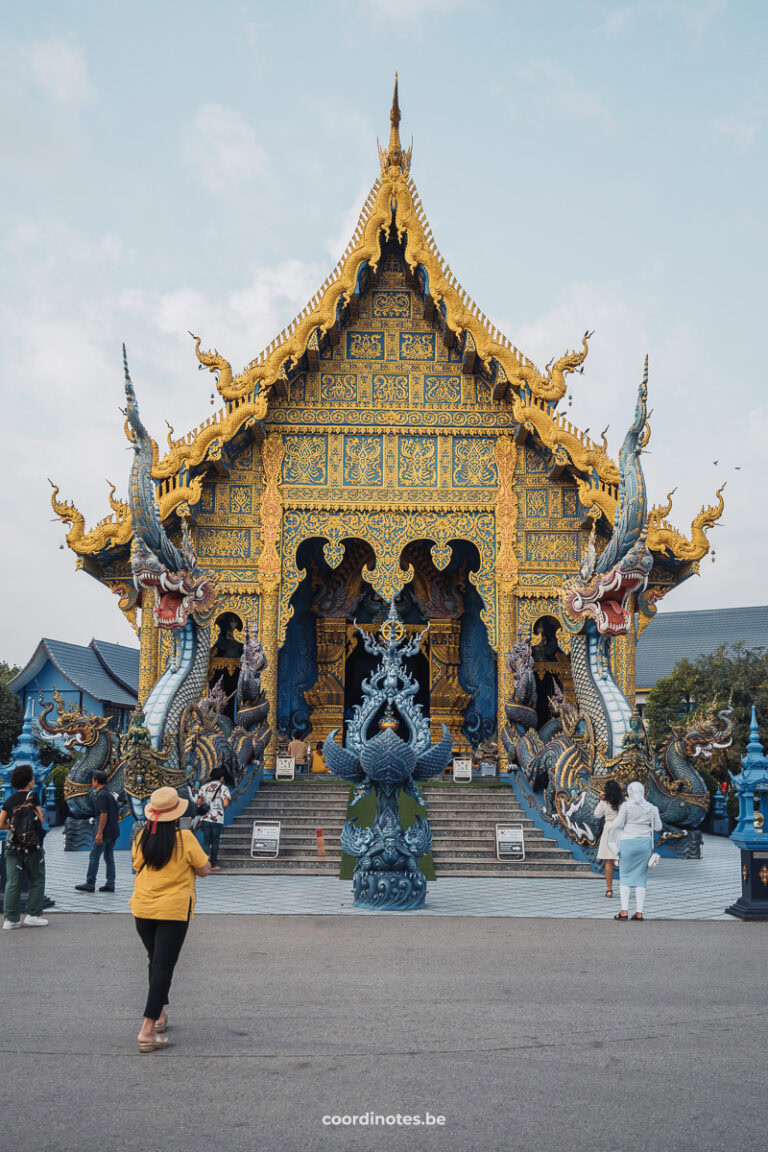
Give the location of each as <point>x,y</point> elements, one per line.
<point>208,737</point>
<point>387,874</point>
<point>674,785</point>
<point>583,745</point>
<point>81,732</point>
<point>184,602</point>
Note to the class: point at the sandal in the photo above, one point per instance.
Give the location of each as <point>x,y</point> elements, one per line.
<point>161,1024</point>
<point>621,916</point>
<point>153,1045</point>
<point>637,916</point>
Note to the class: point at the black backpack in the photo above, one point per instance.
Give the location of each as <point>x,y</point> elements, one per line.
<point>25,833</point>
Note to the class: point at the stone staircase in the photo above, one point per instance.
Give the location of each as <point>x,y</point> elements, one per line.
<point>463,821</point>
<point>301,806</point>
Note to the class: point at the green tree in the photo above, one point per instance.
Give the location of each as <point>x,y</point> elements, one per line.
<point>11,720</point>
<point>8,671</point>
<point>732,673</point>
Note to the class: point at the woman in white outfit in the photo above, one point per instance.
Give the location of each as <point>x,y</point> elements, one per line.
<point>633,831</point>
<point>611,799</point>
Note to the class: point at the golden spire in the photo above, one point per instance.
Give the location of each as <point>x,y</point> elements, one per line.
<point>395,156</point>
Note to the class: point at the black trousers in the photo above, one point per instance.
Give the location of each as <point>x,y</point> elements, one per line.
<point>163,940</point>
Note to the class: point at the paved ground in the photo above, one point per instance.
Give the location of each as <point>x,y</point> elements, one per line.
<point>677,889</point>
<point>541,1035</point>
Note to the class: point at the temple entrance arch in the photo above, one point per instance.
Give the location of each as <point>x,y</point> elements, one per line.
<point>338,579</point>
<point>551,666</point>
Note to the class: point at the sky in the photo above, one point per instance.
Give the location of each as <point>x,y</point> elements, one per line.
<point>200,166</point>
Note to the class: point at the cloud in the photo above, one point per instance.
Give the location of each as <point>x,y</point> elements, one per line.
<point>221,147</point>
<point>71,309</point>
<point>693,16</point>
<point>569,98</point>
<point>416,9</point>
<point>740,130</point>
<point>59,69</point>
<point>347,223</point>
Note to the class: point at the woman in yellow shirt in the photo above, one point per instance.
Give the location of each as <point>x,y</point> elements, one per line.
<point>166,861</point>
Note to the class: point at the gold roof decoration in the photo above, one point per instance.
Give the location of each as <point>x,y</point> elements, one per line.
<point>663,537</point>
<point>394,156</point>
<point>116,530</point>
<point>111,532</point>
<point>532,395</point>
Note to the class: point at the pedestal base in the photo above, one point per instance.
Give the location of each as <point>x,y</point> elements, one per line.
<point>746,910</point>
<point>389,891</point>
<point>753,902</point>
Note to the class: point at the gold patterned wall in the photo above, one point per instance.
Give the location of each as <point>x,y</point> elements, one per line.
<point>391,439</point>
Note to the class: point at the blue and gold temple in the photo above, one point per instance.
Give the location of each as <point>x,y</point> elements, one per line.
<point>389,442</point>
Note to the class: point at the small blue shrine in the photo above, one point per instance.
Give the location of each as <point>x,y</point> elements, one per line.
<point>751,834</point>
<point>26,751</point>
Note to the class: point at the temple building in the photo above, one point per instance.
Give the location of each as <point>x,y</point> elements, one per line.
<point>389,442</point>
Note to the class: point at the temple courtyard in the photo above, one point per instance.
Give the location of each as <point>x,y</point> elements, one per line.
<point>677,890</point>
<point>518,1010</point>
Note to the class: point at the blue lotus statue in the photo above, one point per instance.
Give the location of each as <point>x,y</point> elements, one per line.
<point>388,875</point>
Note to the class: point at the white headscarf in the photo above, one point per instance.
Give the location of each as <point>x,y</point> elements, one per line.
<point>638,808</point>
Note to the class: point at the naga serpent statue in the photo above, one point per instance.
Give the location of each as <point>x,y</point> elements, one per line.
<point>583,746</point>
<point>209,738</point>
<point>184,604</point>
<point>82,731</point>
<point>674,785</point>
<point>387,874</point>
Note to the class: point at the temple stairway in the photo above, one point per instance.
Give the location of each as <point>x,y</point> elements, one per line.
<point>301,806</point>
<point>462,818</point>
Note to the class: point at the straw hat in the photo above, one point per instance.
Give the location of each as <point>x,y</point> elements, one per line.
<point>165,804</point>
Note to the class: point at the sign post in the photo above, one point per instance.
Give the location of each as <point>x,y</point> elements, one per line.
<point>510,844</point>
<point>462,770</point>
<point>265,840</point>
<point>285,768</point>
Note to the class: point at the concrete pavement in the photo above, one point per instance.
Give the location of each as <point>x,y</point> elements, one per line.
<point>579,1034</point>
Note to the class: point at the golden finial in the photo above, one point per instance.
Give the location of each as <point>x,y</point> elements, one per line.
<point>395,156</point>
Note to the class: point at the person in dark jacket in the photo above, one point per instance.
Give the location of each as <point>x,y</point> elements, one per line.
<point>106,833</point>
<point>22,810</point>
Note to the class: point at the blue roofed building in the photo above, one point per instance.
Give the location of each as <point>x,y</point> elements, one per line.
<point>673,636</point>
<point>100,677</point>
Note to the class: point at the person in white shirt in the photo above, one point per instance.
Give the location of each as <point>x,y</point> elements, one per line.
<point>611,799</point>
<point>217,796</point>
<point>631,839</point>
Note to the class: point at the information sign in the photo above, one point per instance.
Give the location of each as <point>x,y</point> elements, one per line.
<point>462,769</point>
<point>265,839</point>
<point>285,768</point>
<point>510,844</point>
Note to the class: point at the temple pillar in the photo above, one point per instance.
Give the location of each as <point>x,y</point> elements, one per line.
<point>326,696</point>
<point>507,626</point>
<point>269,571</point>
<point>149,647</point>
<point>506,575</point>
<point>447,698</point>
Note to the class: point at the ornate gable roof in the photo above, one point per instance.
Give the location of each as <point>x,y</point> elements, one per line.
<point>393,208</point>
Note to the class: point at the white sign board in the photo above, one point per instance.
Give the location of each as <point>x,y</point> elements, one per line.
<point>265,839</point>
<point>487,767</point>
<point>285,768</point>
<point>510,844</point>
<point>462,769</point>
